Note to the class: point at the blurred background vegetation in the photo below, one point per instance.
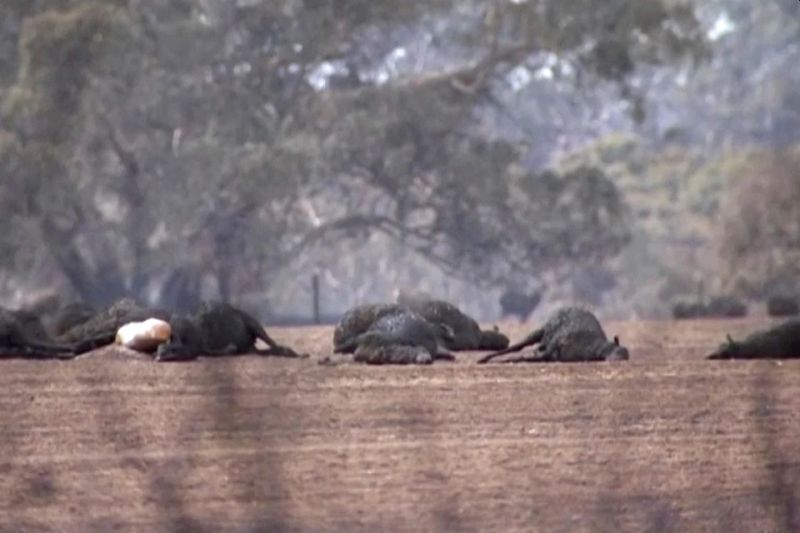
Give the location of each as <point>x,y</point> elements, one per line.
<point>619,153</point>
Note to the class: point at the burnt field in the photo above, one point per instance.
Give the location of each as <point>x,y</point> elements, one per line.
<point>665,442</point>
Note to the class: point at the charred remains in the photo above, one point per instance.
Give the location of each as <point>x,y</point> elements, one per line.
<point>571,334</point>
<point>778,342</point>
<point>217,329</point>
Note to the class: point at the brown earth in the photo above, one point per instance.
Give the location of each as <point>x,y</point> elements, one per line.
<point>665,442</point>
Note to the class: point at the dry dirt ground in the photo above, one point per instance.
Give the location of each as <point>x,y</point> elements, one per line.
<point>665,442</point>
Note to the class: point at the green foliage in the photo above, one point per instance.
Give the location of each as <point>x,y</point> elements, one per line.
<point>583,210</point>
<point>59,51</point>
<point>610,34</point>
<point>184,132</point>
<point>761,223</point>
<point>686,202</point>
<point>707,184</point>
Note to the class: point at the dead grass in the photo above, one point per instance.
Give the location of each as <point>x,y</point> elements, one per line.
<point>667,441</point>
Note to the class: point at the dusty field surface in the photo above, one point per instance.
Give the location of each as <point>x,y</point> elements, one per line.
<point>665,442</point>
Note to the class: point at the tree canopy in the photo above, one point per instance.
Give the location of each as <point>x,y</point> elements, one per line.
<point>234,137</point>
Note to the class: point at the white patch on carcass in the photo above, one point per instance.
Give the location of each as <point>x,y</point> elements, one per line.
<point>144,336</point>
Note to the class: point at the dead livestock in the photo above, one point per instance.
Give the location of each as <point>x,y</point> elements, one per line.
<point>778,342</point>
<point>571,334</point>
<point>218,329</point>
<point>71,315</point>
<point>25,338</point>
<point>466,333</point>
<point>101,329</point>
<point>401,337</point>
<point>357,321</point>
